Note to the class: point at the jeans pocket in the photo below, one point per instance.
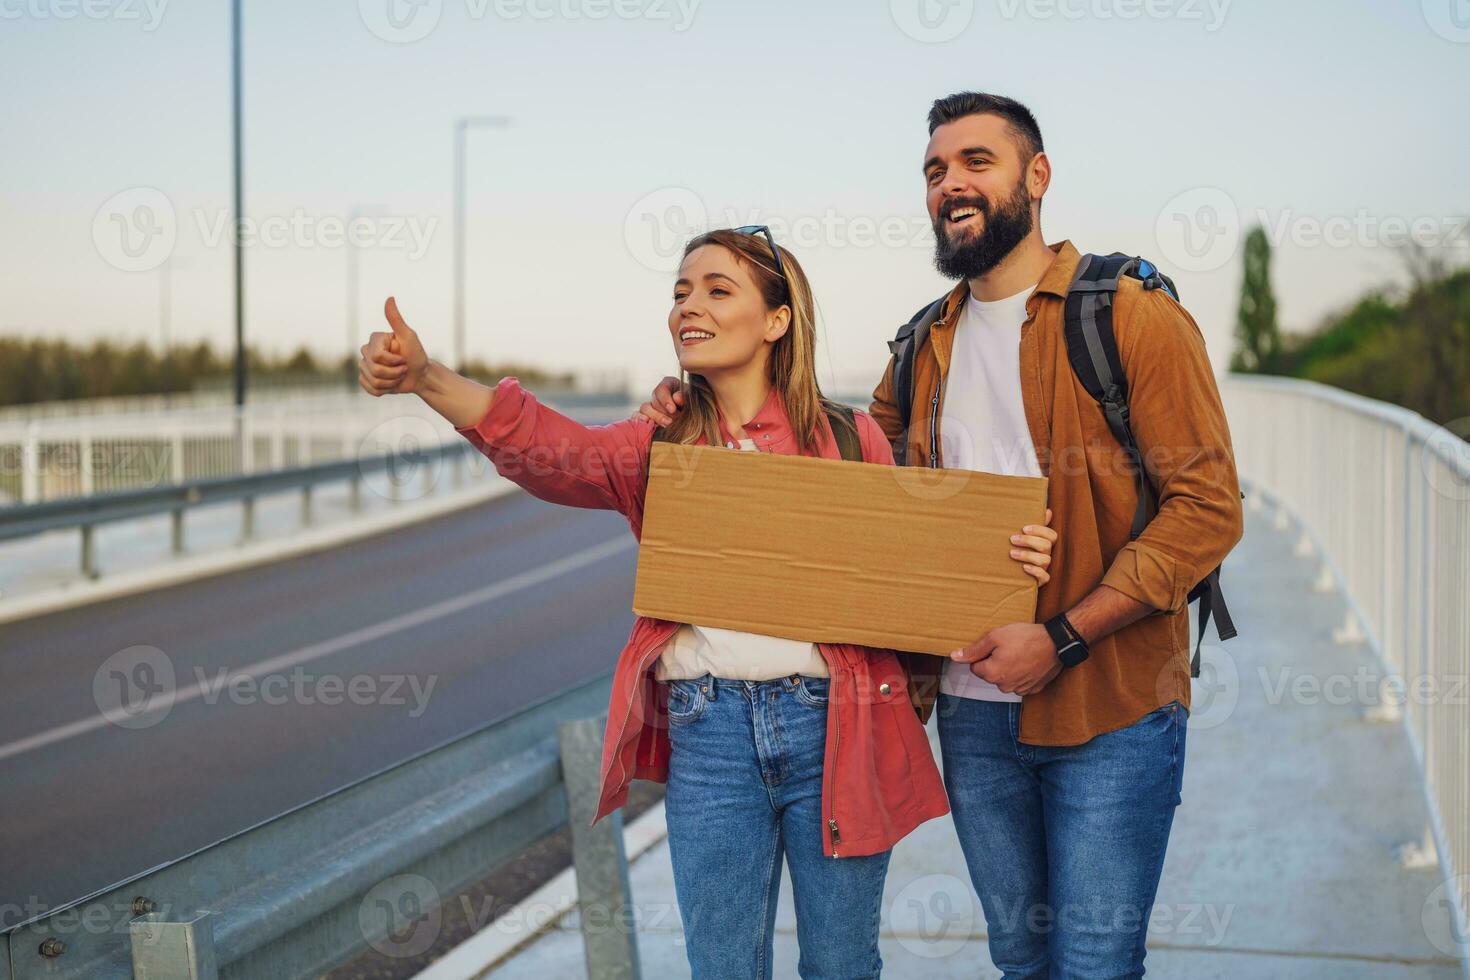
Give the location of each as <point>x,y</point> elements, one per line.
<point>812,691</point>
<point>686,701</point>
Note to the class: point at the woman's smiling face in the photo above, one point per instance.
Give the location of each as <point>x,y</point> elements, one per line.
<point>719,319</point>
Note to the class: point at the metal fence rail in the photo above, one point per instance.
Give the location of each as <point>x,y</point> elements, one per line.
<point>86,513</point>
<point>50,459</point>
<point>405,448</point>
<point>1383,498</point>
<point>105,449</point>
<point>364,867</point>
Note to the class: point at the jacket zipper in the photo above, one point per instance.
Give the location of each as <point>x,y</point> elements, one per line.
<point>934,428</point>
<point>836,744</point>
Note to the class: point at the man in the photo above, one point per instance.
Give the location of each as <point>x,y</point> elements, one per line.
<point>1063,780</point>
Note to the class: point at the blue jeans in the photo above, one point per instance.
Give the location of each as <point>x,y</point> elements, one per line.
<point>1064,843</point>
<point>745,787</point>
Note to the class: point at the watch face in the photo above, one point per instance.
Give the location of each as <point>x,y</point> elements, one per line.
<point>1072,654</point>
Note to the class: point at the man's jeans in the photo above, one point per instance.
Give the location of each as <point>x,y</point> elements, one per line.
<point>745,785</point>
<point>1064,843</point>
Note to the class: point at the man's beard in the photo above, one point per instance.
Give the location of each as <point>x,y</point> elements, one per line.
<point>1005,227</point>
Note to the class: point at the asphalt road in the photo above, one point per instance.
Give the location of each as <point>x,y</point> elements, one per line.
<point>356,659</point>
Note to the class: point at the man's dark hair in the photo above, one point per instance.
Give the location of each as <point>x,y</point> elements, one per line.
<point>1022,122</point>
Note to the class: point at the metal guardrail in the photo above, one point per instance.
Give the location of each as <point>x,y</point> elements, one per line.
<point>50,459</point>
<point>1383,499</point>
<point>96,447</point>
<point>420,447</point>
<point>362,868</point>
<point>86,513</point>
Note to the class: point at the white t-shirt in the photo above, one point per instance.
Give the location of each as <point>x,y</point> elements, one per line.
<point>694,651</point>
<point>984,423</point>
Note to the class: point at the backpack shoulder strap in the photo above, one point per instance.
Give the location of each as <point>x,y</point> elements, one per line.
<point>1092,350</point>
<point>844,430</point>
<point>905,347</point>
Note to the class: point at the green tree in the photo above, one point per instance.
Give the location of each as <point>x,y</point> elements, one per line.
<point>1257,337</point>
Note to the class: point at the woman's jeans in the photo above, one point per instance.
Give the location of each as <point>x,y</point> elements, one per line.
<point>1064,843</point>
<point>745,787</point>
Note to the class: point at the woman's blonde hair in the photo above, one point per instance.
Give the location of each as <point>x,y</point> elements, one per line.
<point>793,361</point>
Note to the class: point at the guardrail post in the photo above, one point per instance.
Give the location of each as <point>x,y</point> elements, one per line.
<point>608,927</point>
<point>176,453</point>
<point>177,531</point>
<point>306,505</point>
<point>247,519</point>
<point>89,551</point>
<point>173,950</point>
<point>247,442</point>
<point>84,460</point>
<point>278,440</point>
<point>30,466</point>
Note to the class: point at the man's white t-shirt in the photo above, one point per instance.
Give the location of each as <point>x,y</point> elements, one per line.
<point>984,423</point>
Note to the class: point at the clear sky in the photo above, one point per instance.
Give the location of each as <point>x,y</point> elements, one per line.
<point>1171,125</point>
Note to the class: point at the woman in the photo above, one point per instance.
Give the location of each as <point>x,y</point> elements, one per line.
<point>768,746</point>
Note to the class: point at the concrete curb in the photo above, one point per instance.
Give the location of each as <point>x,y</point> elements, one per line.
<point>537,913</point>
<point>81,593</point>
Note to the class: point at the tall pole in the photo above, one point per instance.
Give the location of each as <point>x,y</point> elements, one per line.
<point>239,229</point>
<point>353,295</point>
<point>165,318</point>
<point>352,335</point>
<point>461,125</point>
<point>459,128</point>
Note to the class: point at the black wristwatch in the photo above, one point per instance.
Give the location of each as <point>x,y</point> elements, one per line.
<point>1071,648</point>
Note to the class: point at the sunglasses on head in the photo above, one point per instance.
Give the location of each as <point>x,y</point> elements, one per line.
<point>775,252</point>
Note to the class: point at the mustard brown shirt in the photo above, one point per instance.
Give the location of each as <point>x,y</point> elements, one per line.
<point>1182,434</point>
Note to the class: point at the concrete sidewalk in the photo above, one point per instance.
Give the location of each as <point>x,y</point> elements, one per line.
<point>1284,858</point>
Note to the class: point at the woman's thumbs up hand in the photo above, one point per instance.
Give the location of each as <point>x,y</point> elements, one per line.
<point>393,363</point>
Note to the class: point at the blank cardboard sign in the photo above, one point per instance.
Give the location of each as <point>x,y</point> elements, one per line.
<point>833,552</point>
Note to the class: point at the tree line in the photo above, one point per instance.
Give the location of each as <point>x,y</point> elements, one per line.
<point>41,370</point>
<point>1407,345</point>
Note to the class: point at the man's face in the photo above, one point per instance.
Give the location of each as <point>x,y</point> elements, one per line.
<point>977,194</point>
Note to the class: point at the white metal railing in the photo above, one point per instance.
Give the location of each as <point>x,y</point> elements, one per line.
<point>1383,497</point>
<point>53,458</point>
<point>146,443</point>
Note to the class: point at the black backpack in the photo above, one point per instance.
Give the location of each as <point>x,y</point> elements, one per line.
<point>1093,352</point>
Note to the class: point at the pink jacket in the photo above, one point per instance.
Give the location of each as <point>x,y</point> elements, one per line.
<point>879,780</point>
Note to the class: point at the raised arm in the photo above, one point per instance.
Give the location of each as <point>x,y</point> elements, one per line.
<point>558,458</point>
<point>548,454</point>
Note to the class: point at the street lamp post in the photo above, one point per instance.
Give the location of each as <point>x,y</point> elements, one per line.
<point>239,202</point>
<point>166,319</point>
<point>354,338</point>
<point>461,125</point>
<point>352,343</point>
